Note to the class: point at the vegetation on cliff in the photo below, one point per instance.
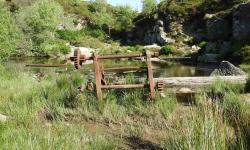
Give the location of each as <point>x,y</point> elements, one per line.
<point>45,27</point>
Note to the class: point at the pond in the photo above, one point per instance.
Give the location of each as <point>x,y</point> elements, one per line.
<point>169,69</point>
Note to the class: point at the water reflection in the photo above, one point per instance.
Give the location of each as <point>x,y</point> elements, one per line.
<point>160,69</point>
<point>181,70</point>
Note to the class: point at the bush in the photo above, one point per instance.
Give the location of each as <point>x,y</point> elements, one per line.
<point>9,34</point>
<point>245,54</point>
<point>202,45</point>
<point>70,35</point>
<point>168,50</point>
<point>96,33</point>
<point>40,25</point>
<point>247,87</point>
<point>148,6</point>
<point>52,47</point>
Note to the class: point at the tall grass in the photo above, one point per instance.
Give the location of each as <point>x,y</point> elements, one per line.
<point>219,121</point>
<point>42,112</point>
<point>50,113</point>
<point>203,129</point>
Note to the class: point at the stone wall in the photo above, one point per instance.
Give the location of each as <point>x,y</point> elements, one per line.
<point>241,22</point>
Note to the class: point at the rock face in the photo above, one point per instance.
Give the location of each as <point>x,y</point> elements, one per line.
<point>241,22</point>
<point>227,69</point>
<point>223,27</point>
<point>232,24</point>
<point>218,28</point>
<point>208,58</point>
<point>157,35</point>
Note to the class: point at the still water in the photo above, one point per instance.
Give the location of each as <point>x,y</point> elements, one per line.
<point>160,69</point>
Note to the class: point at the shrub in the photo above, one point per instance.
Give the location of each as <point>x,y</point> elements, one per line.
<point>70,35</point>
<point>9,34</point>
<point>52,47</point>
<point>124,17</point>
<point>202,44</point>
<point>247,87</point>
<point>168,50</point>
<point>96,33</point>
<point>148,6</point>
<point>41,24</point>
<point>245,53</point>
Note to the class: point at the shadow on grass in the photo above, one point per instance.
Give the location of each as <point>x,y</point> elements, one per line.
<point>138,143</point>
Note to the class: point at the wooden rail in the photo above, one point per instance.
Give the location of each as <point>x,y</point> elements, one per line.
<point>46,65</point>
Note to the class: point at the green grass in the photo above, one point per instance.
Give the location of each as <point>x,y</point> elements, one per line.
<point>220,123</point>
<point>202,129</point>
<point>51,113</point>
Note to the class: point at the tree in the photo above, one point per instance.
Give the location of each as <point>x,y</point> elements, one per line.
<point>148,5</point>
<point>124,17</point>
<point>40,22</point>
<point>9,33</point>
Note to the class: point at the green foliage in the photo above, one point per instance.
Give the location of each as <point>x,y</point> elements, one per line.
<point>203,128</point>
<point>9,34</point>
<point>65,93</point>
<point>70,35</point>
<point>179,7</point>
<point>46,16</point>
<point>240,52</point>
<point>40,26</point>
<point>247,87</point>
<point>103,15</point>
<point>95,33</point>
<point>168,50</point>
<point>245,53</point>
<point>124,16</point>
<point>77,36</point>
<point>52,113</point>
<point>235,109</point>
<point>52,47</point>
<point>202,45</point>
<point>185,7</point>
<point>219,89</point>
<point>148,6</point>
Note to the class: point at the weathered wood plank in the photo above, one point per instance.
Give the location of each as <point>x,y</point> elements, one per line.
<point>200,81</point>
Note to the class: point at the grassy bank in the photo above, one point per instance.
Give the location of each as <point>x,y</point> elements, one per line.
<point>50,112</point>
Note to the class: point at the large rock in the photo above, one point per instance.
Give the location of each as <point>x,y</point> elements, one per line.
<point>241,22</point>
<point>154,46</point>
<point>84,51</point>
<point>218,28</point>
<point>157,35</point>
<point>227,69</point>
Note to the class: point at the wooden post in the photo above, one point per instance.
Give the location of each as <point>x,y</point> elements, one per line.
<point>97,77</point>
<point>150,75</point>
<point>77,54</point>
